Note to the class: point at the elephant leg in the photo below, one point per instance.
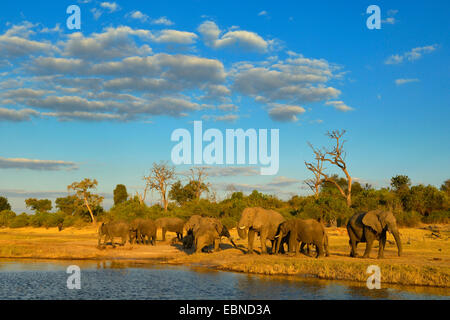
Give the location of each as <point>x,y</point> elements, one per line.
<point>382,244</point>
<point>164,234</point>
<point>353,243</point>
<point>369,239</point>
<point>216,245</point>
<point>251,238</point>
<point>319,249</point>
<point>263,238</point>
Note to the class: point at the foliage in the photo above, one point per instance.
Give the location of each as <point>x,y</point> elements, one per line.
<point>20,221</point>
<point>6,216</point>
<point>120,194</point>
<point>84,196</point>
<point>43,205</point>
<point>4,204</point>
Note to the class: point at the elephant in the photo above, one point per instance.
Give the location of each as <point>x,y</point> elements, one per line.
<point>262,222</point>
<point>370,226</point>
<point>193,221</point>
<point>196,223</point>
<point>144,231</point>
<point>110,230</point>
<point>306,232</point>
<point>209,232</point>
<point>170,224</point>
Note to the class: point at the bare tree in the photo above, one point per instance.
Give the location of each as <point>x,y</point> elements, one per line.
<point>317,170</point>
<point>197,178</point>
<point>161,177</point>
<point>335,156</point>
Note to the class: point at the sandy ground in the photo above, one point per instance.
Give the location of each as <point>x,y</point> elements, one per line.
<point>426,258</point>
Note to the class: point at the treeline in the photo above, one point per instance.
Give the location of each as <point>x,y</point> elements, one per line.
<point>410,204</point>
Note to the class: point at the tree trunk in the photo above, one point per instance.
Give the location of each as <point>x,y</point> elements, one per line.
<point>90,211</point>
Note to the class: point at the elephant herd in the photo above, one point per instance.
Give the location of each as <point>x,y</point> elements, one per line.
<point>202,232</point>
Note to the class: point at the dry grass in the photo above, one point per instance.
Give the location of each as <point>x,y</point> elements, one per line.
<point>426,259</point>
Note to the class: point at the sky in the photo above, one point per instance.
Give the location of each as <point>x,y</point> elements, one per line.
<point>102,101</point>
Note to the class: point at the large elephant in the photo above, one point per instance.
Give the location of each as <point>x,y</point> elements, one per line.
<point>110,230</point>
<point>306,232</point>
<point>370,226</point>
<point>170,224</point>
<point>198,225</point>
<point>143,230</point>
<point>262,222</point>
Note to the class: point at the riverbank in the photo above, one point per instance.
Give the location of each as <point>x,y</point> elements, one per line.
<point>425,262</point>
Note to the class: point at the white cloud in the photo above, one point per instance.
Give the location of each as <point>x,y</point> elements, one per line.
<point>404,81</point>
<point>110,6</point>
<point>236,38</point>
<point>175,36</point>
<point>285,113</point>
<point>138,15</point>
<point>339,105</point>
<point>412,55</point>
<point>96,13</point>
<point>223,118</point>
<point>17,115</point>
<point>262,13</point>
<point>162,21</point>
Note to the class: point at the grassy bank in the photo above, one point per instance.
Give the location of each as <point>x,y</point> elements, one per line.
<point>426,259</point>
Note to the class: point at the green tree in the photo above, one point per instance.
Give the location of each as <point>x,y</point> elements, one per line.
<point>182,194</point>
<point>83,195</point>
<point>6,216</point>
<point>400,182</point>
<point>68,205</point>
<point>4,204</point>
<point>120,194</point>
<point>42,205</point>
<point>445,187</point>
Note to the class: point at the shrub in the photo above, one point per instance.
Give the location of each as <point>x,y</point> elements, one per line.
<point>6,216</point>
<point>437,217</point>
<point>20,221</point>
<point>407,218</point>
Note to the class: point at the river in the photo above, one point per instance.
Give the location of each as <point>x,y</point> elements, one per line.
<point>130,280</point>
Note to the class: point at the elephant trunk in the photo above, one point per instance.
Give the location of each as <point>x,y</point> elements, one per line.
<point>232,242</point>
<point>242,232</point>
<point>396,235</point>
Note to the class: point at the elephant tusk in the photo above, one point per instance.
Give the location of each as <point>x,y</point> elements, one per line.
<point>243,227</point>
<point>277,236</point>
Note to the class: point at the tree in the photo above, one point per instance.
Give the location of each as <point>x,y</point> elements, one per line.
<point>445,187</point>
<point>4,204</point>
<point>182,194</point>
<point>316,169</point>
<point>120,194</point>
<point>335,156</point>
<point>43,205</point>
<point>400,182</point>
<point>83,194</point>
<point>198,177</point>
<point>160,179</point>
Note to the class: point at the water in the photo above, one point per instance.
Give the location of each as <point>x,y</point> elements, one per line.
<point>120,280</point>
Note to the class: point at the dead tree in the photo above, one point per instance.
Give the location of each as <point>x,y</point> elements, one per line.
<point>197,178</point>
<point>161,177</point>
<point>335,156</point>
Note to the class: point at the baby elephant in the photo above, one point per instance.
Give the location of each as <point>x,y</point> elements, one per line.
<point>307,232</point>
<point>188,240</point>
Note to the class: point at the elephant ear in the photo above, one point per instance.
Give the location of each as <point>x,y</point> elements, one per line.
<point>371,219</point>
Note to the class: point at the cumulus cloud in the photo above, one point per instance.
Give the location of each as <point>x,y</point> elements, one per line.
<point>399,82</point>
<point>222,118</point>
<point>110,6</point>
<point>138,15</point>
<point>17,115</point>
<point>232,171</point>
<point>235,38</point>
<point>285,113</point>
<point>175,36</point>
<point>163,21</point>
<point>339,105</point>
<point>32,164</point>
<point>412,55</point>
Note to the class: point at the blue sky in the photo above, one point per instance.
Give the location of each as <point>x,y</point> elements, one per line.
<point>102,102</point>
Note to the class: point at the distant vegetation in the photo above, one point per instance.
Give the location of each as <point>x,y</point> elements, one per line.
<point>335,199</point>
<point>410,204</point>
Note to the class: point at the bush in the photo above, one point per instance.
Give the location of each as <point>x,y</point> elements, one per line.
<point>437,217</point>
<point>20,221</point>
<point>407,219</point>
<point>6,216</point>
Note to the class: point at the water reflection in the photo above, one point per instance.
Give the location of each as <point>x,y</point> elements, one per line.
<point>139,280</point>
